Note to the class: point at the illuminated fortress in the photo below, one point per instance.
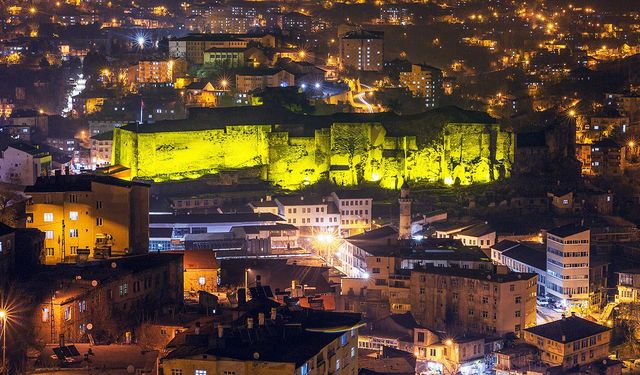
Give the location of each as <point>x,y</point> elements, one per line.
<point>448,144</point>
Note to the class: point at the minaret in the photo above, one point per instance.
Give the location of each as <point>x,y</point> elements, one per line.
<point>404,230</point>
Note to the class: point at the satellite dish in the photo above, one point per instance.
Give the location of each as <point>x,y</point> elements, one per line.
<point>131,369</point>
<point>113,265</point>
<point>89,326</point>
<point>256,355</point>
<point>94,283</point>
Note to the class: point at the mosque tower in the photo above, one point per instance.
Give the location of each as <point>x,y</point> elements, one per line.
<point>404,230</point>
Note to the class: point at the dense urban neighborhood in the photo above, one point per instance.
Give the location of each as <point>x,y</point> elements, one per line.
<point>319,187</point>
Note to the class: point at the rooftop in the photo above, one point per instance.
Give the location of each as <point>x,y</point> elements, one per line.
<point>568,329</point>
<point>81,182</point>
<point>567,230</point>
<point>295,336</point>
<point>532,257</point>
<point>213,218</point>
<point>477,274</point>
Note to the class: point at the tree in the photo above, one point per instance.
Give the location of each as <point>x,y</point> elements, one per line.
<point>93,63</point>
<point>351,140</point>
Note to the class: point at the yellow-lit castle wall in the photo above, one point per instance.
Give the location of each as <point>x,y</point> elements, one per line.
<point>344,153</point>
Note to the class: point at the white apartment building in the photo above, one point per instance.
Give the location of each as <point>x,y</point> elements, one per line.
<point>22,163</point>
<point>313,215</point>
<point>355,211</point>
<point>568,250</point>
<point>340,214</point>
<point>478,234</point>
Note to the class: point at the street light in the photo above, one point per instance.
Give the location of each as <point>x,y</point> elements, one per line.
<point>3,317</point>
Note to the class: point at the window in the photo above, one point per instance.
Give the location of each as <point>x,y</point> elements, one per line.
<point>73,250</point>
<point>73,198</point>
<point>99,221</point>
<point>202,280</point>
<point>67,313</point>
<point>176,371</point>
<point>48,216</point>
<point>50,251</point>
<point>200,372</point>
<point>123,289</point>
<point>337,364</point>
<point>73,233</point>
<point>344,340</point>
<point>99,206</point>
<point>45,314</point>
<point>420,336</point>
<point>304,369</point>
<point>353,352</point>
<point>82,306</point>
<point>73,215</point>
<point>518,299</point>
<point>518,314</point>
<point>48,234</point>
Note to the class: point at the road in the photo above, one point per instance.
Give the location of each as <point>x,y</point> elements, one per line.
<point>361,98</point>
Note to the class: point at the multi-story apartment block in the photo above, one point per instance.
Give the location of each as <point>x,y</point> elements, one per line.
<point>423,81</point>
<point>152,71</point>
<point>22,163</point>
<point>522,258</point>
<point>308,342</point>
<point>570,342</point>
<point>355,211</point>
<point>362,50</point>
<point>628,286</point>
<point>568,250</point>
<point>73,301</point>
<point>100,152</point>
<point>259,79</point>
<point>607,158</point>
<point>89,216</point>
<point>313,215</point>
<point>471,300</point>
<point>193,46</point>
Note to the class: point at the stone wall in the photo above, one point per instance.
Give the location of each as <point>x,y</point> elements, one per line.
<point>345,153</point>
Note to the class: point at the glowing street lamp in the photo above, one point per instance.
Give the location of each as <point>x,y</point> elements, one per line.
<point>141,40</point>
<point>224,83</point>
<point>3,317</point>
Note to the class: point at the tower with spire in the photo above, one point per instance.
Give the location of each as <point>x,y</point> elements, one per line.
<point>404,230</point>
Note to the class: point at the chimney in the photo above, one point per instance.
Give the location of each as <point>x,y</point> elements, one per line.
<point>197,331</point>
<point>273,313</point>
<point>61,339</point>
<point>260,319</point>
<point>249,323</point>
<point>220,331</point>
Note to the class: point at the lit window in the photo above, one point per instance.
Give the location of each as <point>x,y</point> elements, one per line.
<point>202,280</point>
<point>73,215</point>
<point>99,221</point>
<point>45,314</point>
<point>337,364</point>
<point>67,313</point>
<point>48,234</point>
<point>73,233</point>
<point>48,216</point>
<point>200,372</point>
